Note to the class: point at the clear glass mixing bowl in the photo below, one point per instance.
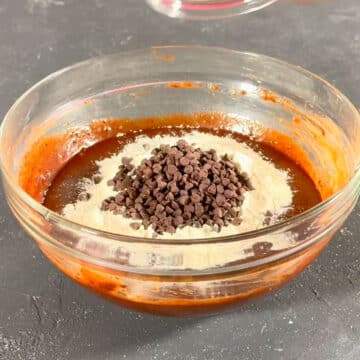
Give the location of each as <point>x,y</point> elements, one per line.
<point>207,9</point>
<point>178,277</point>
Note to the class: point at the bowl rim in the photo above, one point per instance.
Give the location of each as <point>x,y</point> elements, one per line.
<point>295,220</point>
<point>236,8</point>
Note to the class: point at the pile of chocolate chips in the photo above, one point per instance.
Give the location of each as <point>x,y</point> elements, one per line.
<point>179,186</point>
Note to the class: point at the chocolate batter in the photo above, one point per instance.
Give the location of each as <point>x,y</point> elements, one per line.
<point>65,188</point>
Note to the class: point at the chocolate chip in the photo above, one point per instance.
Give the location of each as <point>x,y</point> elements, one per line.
<point>145,192</point>
<point>189,208</point>
<point>126,161</point>
<point>199,210</point>
<point>184,161</point>
<point>229,193</point>
<point>212,189</point>
<point>219,189</point>
<point>188,169</point>
<point>196,198</point>
<point>178,155</point>
<point>84,196</point>
<point>175,205</point>
<point>178,212</point>
<point>160,197</point>
<point>113,206</point>
<point>147,172</point>
<point>219,222</point>
<point>237,221</point>
<point>208,200</point>
<point>173,188</point>
<point>177,176</point>
<point>183,193</point>
<point>203,186</point>
<point>157,168</point>
<point>159,208</point>
<point>232,187</point>
<point>203,174</point>
<point>135,226</point>
<point>220,199</point>
<point>96,178</point>
<point>171,169</point>
<point>154,219</point>
<point>218,212</point>
<point>178,220</point>
<point>161,184</point>
<point>183,199</point>
<point>120,198</point>
<point>138,206</point>
<point>243,191</point>
<point>169,210</point>
<point>217,180</point>
<point>182,144</point>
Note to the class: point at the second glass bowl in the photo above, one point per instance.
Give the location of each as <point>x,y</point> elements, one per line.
<point>207,9</point>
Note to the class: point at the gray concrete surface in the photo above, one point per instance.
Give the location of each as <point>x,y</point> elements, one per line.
<point>44,316</point>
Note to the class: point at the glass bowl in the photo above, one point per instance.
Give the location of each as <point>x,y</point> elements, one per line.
<point>182,277</point>
<point>207,9</point>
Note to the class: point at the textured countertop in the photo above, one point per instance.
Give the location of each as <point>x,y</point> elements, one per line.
<point>45,316</point>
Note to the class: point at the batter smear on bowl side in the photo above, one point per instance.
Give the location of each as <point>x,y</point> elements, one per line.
<point>181,183</point>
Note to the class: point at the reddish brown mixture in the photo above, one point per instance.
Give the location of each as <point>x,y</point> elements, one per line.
<point>65,189</point>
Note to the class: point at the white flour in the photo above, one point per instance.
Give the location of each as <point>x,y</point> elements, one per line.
<point>271,189</point>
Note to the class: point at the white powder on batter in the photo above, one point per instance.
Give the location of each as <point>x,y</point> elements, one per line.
<point>272,192</point>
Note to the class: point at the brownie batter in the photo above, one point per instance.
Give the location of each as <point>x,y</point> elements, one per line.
<point>65,188</point>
